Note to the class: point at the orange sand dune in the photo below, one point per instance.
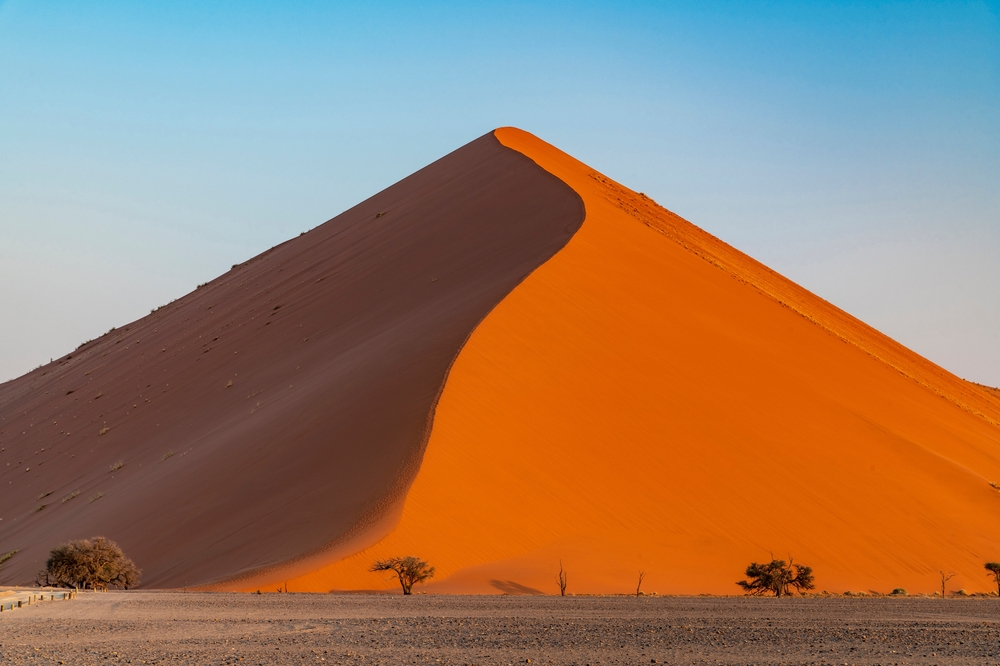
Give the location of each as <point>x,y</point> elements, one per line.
<point>281,411</point>
<point>652,399</point>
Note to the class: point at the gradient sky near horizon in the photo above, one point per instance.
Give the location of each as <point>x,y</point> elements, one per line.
<point>853,147</point>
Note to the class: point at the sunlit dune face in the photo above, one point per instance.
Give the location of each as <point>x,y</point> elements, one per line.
<point>651,399</point>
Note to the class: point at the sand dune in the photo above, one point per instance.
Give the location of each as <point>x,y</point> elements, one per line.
<point>630,394</point>
<point>283,408</point>
<point>652,399</point>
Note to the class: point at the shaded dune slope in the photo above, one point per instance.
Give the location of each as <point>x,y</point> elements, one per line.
<point>279,412</point>
<point>652,399</point>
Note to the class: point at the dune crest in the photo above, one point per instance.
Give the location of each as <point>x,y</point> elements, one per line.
<point>278,413</point>
<point>630,406</point>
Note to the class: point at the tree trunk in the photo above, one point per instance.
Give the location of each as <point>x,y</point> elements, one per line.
<point>402,582</point>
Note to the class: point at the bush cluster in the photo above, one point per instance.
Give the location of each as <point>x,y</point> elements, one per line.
<point>96,563</point>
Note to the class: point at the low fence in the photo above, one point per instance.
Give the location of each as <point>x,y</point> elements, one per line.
<point>14,598</point>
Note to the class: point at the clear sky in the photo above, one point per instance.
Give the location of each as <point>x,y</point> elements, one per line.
<point>854,147</point>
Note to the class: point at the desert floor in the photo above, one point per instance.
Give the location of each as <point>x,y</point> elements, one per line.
<point>204,628</point>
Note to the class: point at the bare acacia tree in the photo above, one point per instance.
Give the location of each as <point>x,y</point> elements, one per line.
<point>97,563</point>
<point>777,578</point>
<point>638,588</point>
<point>945,577</point>
<point>561,580</point>
<point>994,569</point>
<point>410,570</point>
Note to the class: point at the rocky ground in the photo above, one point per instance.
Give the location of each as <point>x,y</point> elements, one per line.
<point>202,628</point>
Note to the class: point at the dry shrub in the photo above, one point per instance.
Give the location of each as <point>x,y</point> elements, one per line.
<point>96,563</point>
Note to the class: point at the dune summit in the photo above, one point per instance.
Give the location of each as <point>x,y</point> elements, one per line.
<point>504,361</point>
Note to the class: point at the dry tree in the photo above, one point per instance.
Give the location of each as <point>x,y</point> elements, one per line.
<point>777,577</point>
<point>97,563</point>
<point>561,580</point>
<point>994,569</point>
<point>410,570</point>
<point>945,577</point>
<point>638,587</point>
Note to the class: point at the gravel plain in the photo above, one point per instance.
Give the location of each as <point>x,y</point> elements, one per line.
<point>204,628</point>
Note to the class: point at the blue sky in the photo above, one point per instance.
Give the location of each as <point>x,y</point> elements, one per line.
<point>854,147</point>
